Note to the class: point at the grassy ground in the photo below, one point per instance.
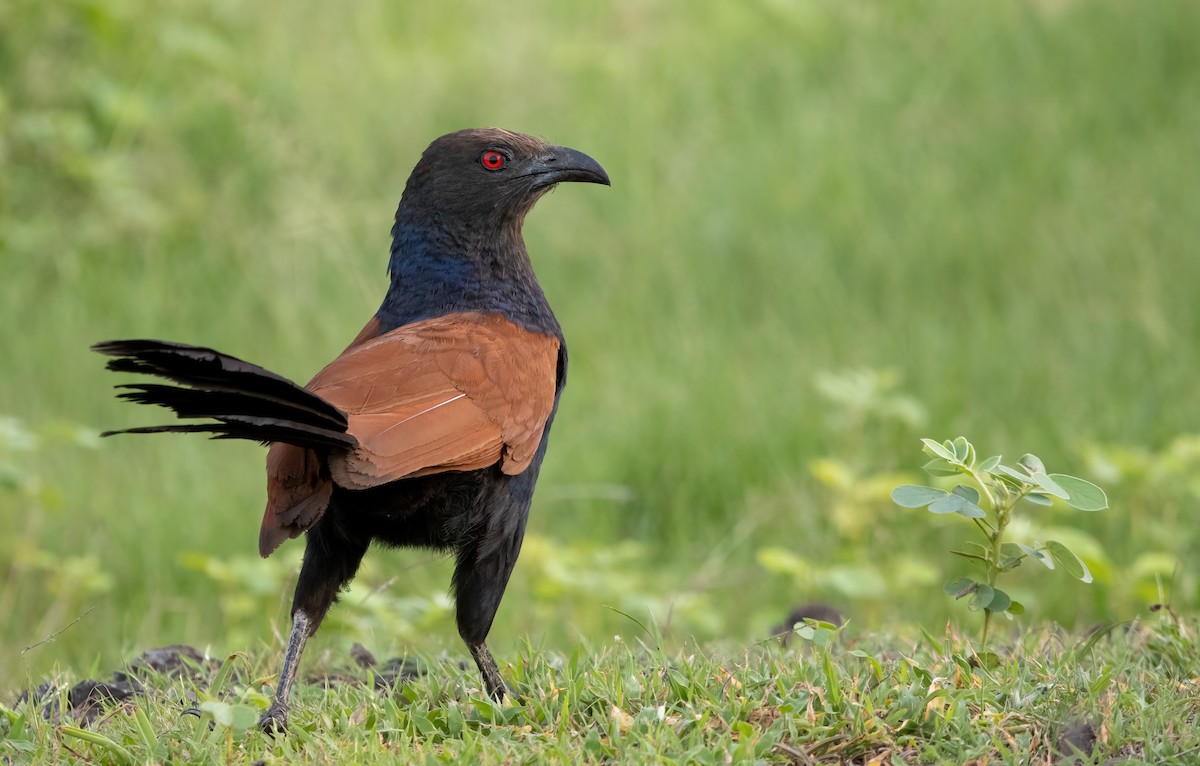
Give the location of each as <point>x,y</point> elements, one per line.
<point>1124,698</point>
<point>832,230</point>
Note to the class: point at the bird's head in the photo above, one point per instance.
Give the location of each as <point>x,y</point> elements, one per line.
<point>490,177</point>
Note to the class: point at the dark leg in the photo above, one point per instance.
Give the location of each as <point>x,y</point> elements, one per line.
<point>479,585</point>
<point>275,719</point>
<point>330,561</point>
<point>496,688</point>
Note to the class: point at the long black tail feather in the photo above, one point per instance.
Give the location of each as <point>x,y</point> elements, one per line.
<point>247,401</point>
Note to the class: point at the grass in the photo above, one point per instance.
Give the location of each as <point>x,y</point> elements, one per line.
<point>833,230</point>
<point>1125,697</point>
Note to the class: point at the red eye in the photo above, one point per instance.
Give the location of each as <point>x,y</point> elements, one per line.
<point>492,160</point>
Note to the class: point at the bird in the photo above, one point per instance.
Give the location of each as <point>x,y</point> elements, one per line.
<point>430,428</point>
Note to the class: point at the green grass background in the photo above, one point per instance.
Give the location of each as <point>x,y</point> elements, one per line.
<point>996,205</point>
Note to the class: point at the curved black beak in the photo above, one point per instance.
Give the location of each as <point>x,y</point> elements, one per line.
<point>560,164</point>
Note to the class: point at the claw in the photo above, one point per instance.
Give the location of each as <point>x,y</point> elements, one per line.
<point>274,721</point>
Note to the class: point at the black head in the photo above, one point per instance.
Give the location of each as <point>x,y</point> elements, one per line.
<point>490,175</point>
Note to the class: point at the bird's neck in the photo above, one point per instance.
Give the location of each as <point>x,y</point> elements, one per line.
<point>438,269</point>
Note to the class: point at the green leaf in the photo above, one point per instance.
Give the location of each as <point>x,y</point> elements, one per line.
<point>876,666</point>
<point>946,504</point>
<point>225,673</point>
<point>955,503</point>
<point>487,708</point>
<point>422,724</point>
<point>1094,635</point>
<point>833,681</point>
<point>118,753</point>
<point>1000,601</point>
<point>989,464</point>
<point>1037,498</point>
<point>1048,484</point>
<point>1010,556</point>
<point>222,712</point>
<point>1040,556</point>
<point>939,467</point>
<point>972,511</point>
<point>1082,494</point>
<point>244,717</point>
<point>1070,562</point>
<point>145,729</point>
<point>236,717</point>
<point>982,598</point>
<point>960,587</point>
<point>912,496</point>
<point>1010,551</point>
<point>1016,607</point>
<point>1011,475</point>
<point>970,494</point>
<point>962,450</point>
<point>937,449</point>
<point>1032,463</point>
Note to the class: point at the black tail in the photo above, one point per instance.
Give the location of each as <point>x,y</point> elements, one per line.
<point>247,401</point>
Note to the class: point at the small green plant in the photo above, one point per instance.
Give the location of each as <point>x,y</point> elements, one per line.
<point>989,504</point>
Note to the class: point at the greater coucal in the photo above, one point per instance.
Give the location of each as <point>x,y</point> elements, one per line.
<point>430,428</point>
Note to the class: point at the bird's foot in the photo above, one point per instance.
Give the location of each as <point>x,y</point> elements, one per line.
<point>499,689</point>
<point>275,720</point>
<point>493,682</point>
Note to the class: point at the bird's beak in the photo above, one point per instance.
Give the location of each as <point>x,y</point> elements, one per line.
<point>561,164</point>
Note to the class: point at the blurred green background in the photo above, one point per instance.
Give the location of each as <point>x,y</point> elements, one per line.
<point>833,228</point>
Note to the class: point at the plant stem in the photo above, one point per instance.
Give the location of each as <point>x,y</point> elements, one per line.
<point>993,566</point>
<point>996,538</point>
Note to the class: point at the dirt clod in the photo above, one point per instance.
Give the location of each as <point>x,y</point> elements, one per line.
<point>1077,739</point>
<point>814,611</point>
<point>362,656</point>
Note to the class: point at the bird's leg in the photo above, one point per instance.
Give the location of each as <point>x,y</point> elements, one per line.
<point>496,688</point>
<point>275,719</point>
<point>479,584</point>
<point>331,558</point>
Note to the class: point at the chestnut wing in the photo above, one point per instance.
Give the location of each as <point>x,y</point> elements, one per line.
<point>453,393</point>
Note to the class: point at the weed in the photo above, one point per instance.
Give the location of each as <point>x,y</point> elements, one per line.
<point>990,505</point>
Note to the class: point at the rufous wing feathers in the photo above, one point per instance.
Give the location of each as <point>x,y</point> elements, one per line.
<point>452,393</point>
